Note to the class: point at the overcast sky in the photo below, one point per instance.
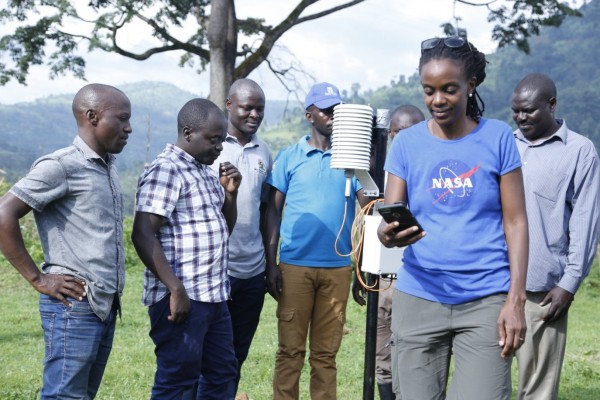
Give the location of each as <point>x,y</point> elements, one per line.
<point>370,44</point>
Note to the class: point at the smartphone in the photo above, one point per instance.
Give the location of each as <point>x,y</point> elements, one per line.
<point>399,212</point>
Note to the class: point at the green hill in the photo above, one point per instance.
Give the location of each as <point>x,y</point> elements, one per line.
<point>568,54</point>
<point>29,130</point>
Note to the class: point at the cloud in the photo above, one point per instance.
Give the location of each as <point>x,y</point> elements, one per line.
<point>370,43</point>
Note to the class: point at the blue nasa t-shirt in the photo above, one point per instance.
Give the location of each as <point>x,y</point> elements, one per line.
<point>454,192</point>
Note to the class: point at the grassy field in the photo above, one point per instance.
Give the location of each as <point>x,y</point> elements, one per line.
<point>130,370</point>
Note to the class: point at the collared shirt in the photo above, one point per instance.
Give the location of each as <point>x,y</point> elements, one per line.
<point>194,233</point>
<point>77,203</point>
<point>254,161</point>
<point>562,191</point>
<point>316,209</point>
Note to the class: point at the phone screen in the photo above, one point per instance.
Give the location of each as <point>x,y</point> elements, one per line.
<point>401,213</point>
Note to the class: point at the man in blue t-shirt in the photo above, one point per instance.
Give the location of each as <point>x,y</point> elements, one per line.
<point>311,282</point>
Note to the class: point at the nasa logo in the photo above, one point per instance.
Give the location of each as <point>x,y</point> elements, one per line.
<point>453,183</point>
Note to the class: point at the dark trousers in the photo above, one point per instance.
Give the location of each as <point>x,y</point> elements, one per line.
<point>247,299</point>
<point>201,346</point>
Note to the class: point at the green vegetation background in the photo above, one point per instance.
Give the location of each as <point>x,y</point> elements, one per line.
<point>28,130</point>
<point>130,371</point>
<point>568,54</point>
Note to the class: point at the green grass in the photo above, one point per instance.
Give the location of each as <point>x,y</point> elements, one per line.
<point>130,371</point>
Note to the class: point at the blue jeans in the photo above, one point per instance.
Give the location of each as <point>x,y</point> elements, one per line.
<point>245,306</point>
<point>77,344</point>
<point>200,346</point>
<point>247,299</point>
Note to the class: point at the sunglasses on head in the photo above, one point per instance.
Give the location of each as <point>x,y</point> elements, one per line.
<point>453,42</point>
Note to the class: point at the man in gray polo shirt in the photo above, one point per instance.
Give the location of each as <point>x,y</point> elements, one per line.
<point>76,198</point>
<point>246,106</point>
<point>561,175</point>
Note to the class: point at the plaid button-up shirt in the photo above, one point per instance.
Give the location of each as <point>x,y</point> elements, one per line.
<point>194,234</point>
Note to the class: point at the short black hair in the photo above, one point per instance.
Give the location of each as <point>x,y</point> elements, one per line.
<point>473,62</point>
<point>537,82</point>
<point>92,97</point>
<point>244,83</point>
<point>414,112</point>
<point>195,113</point>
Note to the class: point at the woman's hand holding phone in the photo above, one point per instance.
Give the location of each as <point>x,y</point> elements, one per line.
<point>399,227</point>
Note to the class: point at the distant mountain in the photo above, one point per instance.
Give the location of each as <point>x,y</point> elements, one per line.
<point>568,54</point>
<point>29,130</point>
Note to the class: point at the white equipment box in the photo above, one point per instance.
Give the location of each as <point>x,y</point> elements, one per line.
<point>378,259</point>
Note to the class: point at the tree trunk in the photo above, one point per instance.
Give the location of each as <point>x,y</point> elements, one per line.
<point>222,39</point>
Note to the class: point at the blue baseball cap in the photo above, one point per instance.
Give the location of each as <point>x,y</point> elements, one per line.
<point>323,95</point>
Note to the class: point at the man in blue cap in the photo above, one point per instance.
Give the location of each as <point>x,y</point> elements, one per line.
<point>311,281</point>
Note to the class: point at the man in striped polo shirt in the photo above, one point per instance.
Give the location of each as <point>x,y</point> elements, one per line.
<point>562,188</point>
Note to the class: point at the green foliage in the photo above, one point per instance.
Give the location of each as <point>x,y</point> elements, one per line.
<point>130,370</point>
<point>284,135</point>
<point>515,25</point>
<point>405,91</point>
<point>252,26</point>
<point>568,55</point>
<point>4,186</point>
<point>28,44</point>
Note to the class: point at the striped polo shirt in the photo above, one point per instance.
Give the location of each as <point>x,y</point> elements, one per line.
<point>562,191</point>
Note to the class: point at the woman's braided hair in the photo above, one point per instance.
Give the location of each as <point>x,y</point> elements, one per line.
<point>473,62</point>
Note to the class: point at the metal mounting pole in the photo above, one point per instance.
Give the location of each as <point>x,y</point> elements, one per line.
<point>379,146</point>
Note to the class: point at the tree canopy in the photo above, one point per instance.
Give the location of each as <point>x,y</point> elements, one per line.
<point>55,32</point>
<point>29,130</point>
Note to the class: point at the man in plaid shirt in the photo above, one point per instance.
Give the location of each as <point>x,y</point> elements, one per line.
<point>184,215</point>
